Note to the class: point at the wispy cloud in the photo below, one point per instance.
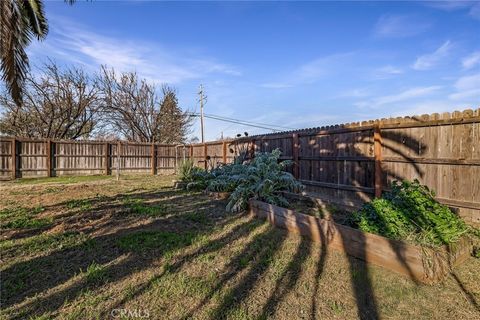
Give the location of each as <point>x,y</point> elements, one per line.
<point>399,26</point>
<point>412,93</point>
<point>467,88</point>
<point>471,60</point>
<point>472,7</point>
<point>312,71</point>
<point>276,85</point>
<point>386,72</point>
<point>428,61</point>
<point>76,44</point>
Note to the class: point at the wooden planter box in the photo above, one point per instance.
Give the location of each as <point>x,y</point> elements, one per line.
<point>178,184</point>
<point>421,264</point>
<point>219,195</point>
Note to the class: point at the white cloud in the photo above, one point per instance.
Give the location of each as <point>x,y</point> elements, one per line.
<point>412,93</point>
<point>74,43</point>
<point>276,85</point>
<point>471,60</point>
<point>313,70</point>
<point>473,7</point>
<point>467,88</point>
<point>428,61</point>
<point>386,72</point>
<point>399,26</point>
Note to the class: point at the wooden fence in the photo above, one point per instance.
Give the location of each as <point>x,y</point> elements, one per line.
<point>45,157</point>
<point>344,164</point>
<point>349,164</point>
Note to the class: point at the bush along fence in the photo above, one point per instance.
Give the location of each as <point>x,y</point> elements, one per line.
<point>343,164</point>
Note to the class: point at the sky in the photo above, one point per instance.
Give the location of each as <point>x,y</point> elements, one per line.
<point>287,64</point>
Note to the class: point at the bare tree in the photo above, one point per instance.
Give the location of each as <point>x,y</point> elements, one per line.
<point>61,103</point>
<point>133,108</point>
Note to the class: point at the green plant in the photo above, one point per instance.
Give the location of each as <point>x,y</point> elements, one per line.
<point>80,204</point>
<point>23,218</point>
<point>264,178</point>
<point>95,274</point>
<point>195,178</point>
<point>137,206</point>
<point>410,212</point>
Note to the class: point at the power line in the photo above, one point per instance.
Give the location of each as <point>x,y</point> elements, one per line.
<point>253,122</point>
<point>271,127</point>
<point>240,122</point>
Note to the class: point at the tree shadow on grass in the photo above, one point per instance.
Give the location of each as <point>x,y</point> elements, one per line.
<point>257,256</point>
<point>470,297</point>
<point>238,232</point>
<point>289,277</point>
<point>318,273</point>
<point>42,273</point>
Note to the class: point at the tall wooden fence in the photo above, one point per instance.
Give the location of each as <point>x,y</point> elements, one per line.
<point>345,164</point>
<point>351,163</point>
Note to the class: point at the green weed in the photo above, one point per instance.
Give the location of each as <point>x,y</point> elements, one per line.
<point>95,274</point>
<point>137,206</point>
<point>80,204</point>
<point>23,218</point>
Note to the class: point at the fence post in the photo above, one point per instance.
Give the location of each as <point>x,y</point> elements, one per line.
<point>119,148</point>
<point>205,155</point>
<point>106,158</point>
<point>252,149</point>
<point>154,162</point>
<point>377,149</point>
<point>14,158</point>
<point>49,157</point>
<point>295,147</point>
<point>224,152</point>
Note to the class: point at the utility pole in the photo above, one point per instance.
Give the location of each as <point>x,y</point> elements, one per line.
<point>201,112</point>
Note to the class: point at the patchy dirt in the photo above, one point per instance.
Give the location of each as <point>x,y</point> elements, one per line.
<point>140,247</point>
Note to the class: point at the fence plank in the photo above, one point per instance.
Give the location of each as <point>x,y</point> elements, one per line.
<point>14,158</point>
<point>378,161</point>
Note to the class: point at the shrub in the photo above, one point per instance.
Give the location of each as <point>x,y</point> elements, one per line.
<point>194,177</point>
<point>410,212</point>
<point>226,178</point>
<point>264,178</point>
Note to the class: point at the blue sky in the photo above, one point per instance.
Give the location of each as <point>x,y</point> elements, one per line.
<point>285,63</point>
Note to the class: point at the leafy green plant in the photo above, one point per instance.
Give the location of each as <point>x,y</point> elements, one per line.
<point>264,178</point>
<point>226,178</point>
<point>410,212</point>
<point>187,170</point>
<point>195,178</point>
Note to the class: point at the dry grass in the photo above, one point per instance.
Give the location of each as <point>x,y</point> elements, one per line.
<point>137,246</point>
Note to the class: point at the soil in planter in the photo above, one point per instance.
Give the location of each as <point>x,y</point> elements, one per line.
<point>327,212</point>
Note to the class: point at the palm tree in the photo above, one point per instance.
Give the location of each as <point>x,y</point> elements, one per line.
<point>20,20</point>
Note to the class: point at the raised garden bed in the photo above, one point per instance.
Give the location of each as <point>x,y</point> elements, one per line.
<point>218,195</point>
<point>422,264</point>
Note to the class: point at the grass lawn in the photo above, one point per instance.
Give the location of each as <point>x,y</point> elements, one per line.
<point>97,248</point>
